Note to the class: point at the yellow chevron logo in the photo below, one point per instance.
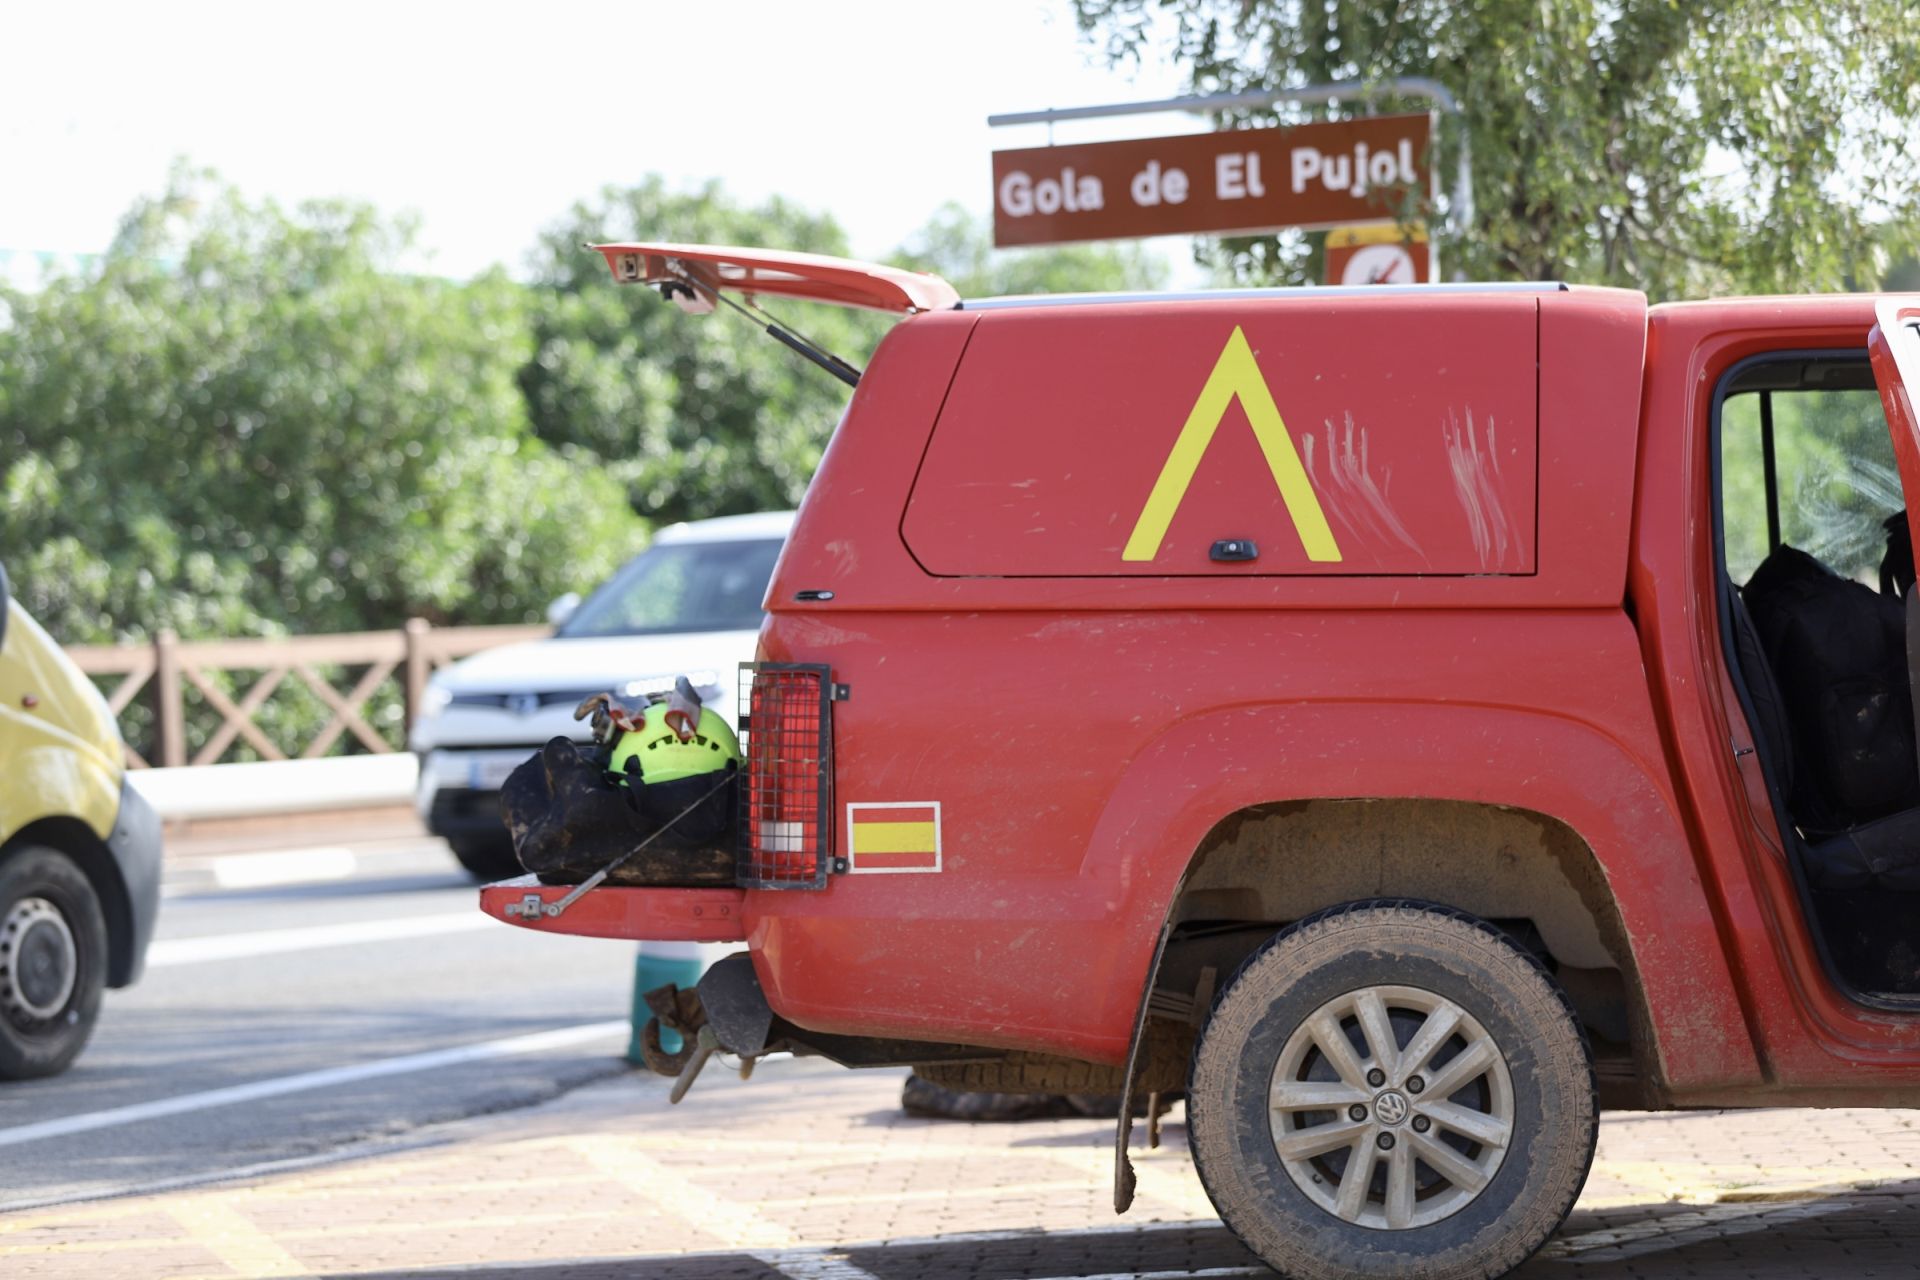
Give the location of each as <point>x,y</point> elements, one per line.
<point>1236,375</point>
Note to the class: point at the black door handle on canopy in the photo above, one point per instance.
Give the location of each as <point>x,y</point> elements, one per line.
<point>1231,549</point>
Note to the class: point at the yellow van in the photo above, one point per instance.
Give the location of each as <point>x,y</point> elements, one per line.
<point>79,853</point>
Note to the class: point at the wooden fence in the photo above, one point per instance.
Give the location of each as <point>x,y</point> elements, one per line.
<point>168,668</point>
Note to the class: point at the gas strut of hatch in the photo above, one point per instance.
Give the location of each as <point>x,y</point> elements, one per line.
<point>813,351</point>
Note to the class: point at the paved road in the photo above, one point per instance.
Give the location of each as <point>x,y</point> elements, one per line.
<point>252,987</point>
<point>808,1172</point>
<point>445,1135</point>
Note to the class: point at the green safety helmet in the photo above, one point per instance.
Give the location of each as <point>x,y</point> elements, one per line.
<point>656,753</point>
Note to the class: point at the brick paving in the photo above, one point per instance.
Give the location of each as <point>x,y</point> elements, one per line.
<point>811,1173</point>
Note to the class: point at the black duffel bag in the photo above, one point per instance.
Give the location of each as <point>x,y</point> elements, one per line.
<point>568,820</point>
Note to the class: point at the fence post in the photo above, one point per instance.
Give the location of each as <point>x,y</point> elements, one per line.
<point>419,667</point>
<point>169,710</point>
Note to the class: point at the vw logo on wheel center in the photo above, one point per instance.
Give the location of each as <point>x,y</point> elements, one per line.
<point>1390,1107</point>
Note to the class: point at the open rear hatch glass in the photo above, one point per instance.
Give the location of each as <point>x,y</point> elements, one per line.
<point>698,277</point>
<point>689,274</point>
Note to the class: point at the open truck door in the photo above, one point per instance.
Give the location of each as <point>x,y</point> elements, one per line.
<point>1894,346</point>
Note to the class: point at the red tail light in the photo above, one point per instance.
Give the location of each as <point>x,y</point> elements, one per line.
<point>786,830</point>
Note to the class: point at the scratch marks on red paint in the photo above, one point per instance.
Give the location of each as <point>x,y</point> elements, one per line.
<point>1350,489</point>
<point>1475,467</point>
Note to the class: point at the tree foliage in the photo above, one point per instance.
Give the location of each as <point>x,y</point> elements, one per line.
<point>1680,146</point>
<point>695,415</point>
<point>958,247</point>
<point>1835,479</point>
<point>244,421</point>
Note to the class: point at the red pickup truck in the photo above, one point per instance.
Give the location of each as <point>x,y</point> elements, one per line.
<point>1404,720</point>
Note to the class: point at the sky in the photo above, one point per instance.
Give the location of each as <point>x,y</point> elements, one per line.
<point>488,121</point>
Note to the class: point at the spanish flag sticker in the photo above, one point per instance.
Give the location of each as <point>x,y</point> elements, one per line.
<point>885,839</point>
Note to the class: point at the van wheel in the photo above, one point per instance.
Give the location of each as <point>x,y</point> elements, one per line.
<point>53,963</point>
<point>486,858</point>
<point>1392,1089</point>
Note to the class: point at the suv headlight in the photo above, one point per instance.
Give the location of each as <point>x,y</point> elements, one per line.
<point>435,700</point>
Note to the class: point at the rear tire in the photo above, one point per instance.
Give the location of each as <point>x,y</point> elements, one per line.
<point>1489,1160</point>
<point>53,962</point>
<point>486,858</point>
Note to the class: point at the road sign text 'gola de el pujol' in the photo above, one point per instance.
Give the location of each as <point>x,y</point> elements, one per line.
<point>1240,180</point>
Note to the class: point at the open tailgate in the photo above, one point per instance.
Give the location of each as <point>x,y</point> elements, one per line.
<point>699,268</point>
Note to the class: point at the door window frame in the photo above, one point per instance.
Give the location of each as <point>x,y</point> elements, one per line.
<point>1729,654</point>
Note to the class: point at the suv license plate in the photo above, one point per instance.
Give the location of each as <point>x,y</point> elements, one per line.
<point>489,773</point>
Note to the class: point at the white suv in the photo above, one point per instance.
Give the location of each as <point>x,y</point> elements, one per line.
<point>687,605</point>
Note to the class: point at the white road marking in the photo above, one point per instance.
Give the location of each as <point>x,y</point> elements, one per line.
<point>267,942</point>
<point>814,1265</point>
<point>279,1086</point>
<point>832,1263</point>
<point>293,866</point>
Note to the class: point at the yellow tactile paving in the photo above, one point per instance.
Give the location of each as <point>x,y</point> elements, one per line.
<point>213,1222</point>
<point>724,1220</point>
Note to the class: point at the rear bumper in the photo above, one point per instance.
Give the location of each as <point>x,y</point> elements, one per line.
<point>136,848</point>
<point>610,911</point>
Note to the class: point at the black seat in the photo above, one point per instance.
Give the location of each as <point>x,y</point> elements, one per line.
<point>1881,854</point>
<point>1864,881</point>
<point>1836,851</point>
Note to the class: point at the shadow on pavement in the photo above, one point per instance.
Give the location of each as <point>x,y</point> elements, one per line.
<point>1041,1256</point>
<point>1860,1233</point>
<point>1003,1256</point>
<point>1849,1233</point>
<point>712,1266</point>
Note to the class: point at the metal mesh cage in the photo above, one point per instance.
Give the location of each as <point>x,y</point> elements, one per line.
<point>786,735</point>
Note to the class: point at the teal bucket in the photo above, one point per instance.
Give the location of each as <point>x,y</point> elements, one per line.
<point>657,971</point>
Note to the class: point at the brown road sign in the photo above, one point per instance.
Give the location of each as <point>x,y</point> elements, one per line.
<point>1240,180</point>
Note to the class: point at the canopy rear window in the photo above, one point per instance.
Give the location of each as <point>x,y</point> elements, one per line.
<point>1308,436</point>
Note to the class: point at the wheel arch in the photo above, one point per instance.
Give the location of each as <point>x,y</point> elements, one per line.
<point>1274,865</point>
<point>89,852</point>
<point>1556,792</point>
